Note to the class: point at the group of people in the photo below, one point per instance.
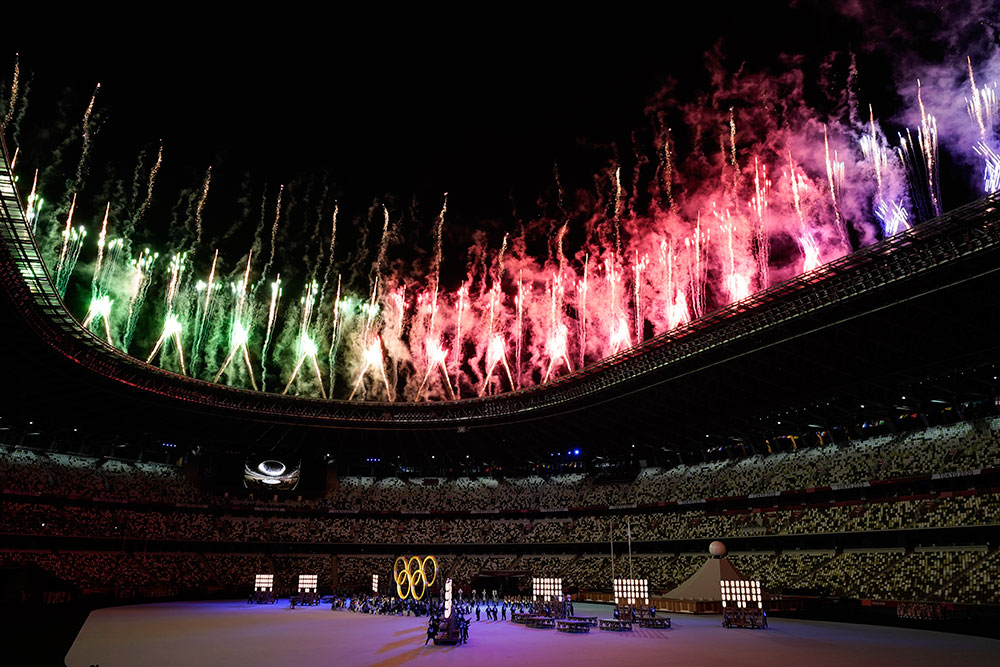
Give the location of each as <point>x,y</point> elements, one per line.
<point>946,448</point>
<point>383,605</point>
<point>494,612</point>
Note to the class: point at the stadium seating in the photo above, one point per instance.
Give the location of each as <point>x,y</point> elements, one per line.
<point>199,542</point>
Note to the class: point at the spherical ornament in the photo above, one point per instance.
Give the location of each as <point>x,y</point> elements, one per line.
<point>717,549</point>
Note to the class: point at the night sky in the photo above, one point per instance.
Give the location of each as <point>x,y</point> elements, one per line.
<point>476,102</point>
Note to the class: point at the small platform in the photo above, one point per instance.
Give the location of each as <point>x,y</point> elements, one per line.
<point>303,600</point>
<point>590,620</point>
<point>262,597</point>
<point>541,622</point>
<point>446,641</point>
<point>520,617</point>
<point>573,626</point>
<point>615,625</point>
<point>654,622</point>
<point>744,619</point>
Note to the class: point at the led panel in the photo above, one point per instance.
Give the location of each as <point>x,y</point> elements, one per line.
<point>631,591</point>
<point>263,582</point>
<point>741,594</point>
<point>307,583</point>
<point>270,474</point>
<point>447,598</point>
<point>546,588</point>
<point>374,583</point>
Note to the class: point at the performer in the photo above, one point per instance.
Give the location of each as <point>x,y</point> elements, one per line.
<point>477,613</point>
<point>503,612</point>
<point>431,630</point>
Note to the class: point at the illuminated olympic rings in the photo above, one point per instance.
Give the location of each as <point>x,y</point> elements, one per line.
<point>412,574</point>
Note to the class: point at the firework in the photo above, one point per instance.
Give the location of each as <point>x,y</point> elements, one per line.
<point>60,264</point>
<point>239,333</point>
<point>100,308</point>
<point>149,186</point>
<point>523,313</point>
<point>81,168</point>
<point>14,87</point>
<point>171,331</point>
<point>496,354</point>
<point>556,346</point>
<point>835,180</point>
<point>34,204</point>
<point>172,327</point>
<point>374,361</point>
<point>307,348</point>
<point>142,268</point>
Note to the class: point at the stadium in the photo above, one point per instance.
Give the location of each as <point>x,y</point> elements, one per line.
<point>741,403</point>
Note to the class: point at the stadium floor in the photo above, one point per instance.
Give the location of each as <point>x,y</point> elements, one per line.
<point>234,633</point>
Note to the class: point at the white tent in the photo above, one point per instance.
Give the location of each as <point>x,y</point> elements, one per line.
<point>704,584</point>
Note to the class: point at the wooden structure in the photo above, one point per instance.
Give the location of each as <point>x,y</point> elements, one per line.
<point>572,626</point>
<point>744,618</point>
<point>590,620</point>
<point>616,625</point>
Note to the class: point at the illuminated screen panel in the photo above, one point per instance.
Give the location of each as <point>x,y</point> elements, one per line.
<point>741,594</point>
<point>374,583</point>
<point>271,474</point>
<point>307,583</point>
<point>264,582</point>
<point>631,591</point>
<point>546,588</point>
<point>447,598</point>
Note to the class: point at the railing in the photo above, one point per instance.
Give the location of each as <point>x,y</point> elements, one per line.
<point>968,231</point>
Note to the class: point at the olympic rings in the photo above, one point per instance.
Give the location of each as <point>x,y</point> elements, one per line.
<point>411,571</point>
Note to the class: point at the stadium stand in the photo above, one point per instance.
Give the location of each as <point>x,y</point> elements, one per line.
<point>195,541</point>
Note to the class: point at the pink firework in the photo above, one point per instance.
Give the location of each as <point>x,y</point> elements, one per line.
<point>555,346</point>
<point>436,356</point>
<point>496,354</point>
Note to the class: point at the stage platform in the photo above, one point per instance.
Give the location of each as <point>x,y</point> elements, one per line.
<point>235,633</point>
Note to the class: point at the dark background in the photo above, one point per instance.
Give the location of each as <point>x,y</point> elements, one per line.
<point>476,102</point>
